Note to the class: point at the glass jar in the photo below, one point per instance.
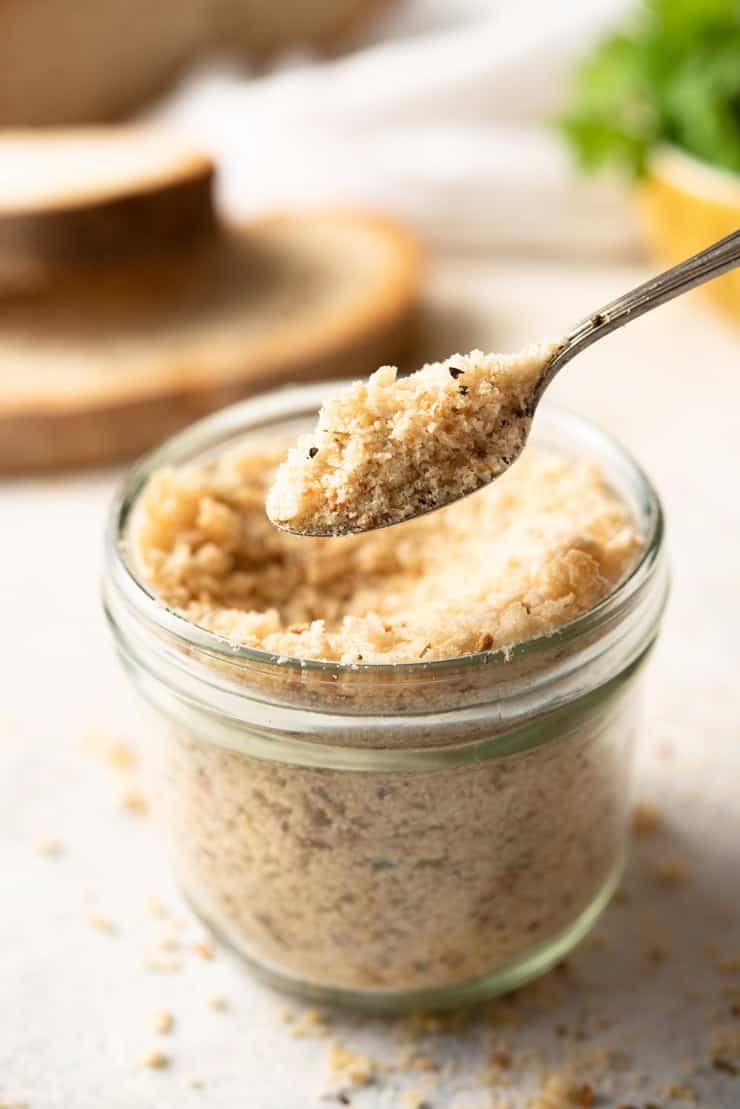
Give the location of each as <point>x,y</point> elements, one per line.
<point>395,836</point>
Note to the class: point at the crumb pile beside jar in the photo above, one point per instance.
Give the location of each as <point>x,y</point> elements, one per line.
<point>395,767</point>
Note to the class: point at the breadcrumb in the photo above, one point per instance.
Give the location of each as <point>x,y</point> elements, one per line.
<point>647,819</point>
<point>117,754</point>
<point>49,847</point>
<point>412,1100</point>
<point>725,1045</point>
<point>163,1021</point>
<point>390,448</point>
<point>670,871</point>
<point>155,1059</point>
<point>134,801</point>
<point>410,1060</point>
<point>311,1022</point>
<point>679,1091</point>
<point>351,1066</point>
<point>540,546</point>
<point>168,942</point>
<point>727,964</point>
<point>163,966</point>
<point>100,922</point>
<point>559,1091</point>
<point>155,905</point>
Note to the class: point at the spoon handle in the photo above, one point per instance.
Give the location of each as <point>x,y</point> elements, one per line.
<point>708,263</point>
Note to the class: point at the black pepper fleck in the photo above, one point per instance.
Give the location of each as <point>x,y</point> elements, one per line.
<point>463,390</point>
<point>455,372</point>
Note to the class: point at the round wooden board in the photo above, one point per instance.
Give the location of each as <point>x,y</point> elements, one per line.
<point>100,367</point>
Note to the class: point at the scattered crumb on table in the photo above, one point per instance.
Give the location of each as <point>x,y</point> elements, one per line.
<point>100,922</point>
<point>678,1091</point>
<point>647,819</point>
<point>670,871</point>
<point>311,1022</point>
<point>155,905</point>
<point>162,1021</point>
<point>113,751</point>
<point>155,1059</point>
<point>413,1100</point>
<point>49,847</point>
<point>351,1066</point>
<point>134,801</point>
<point>168,942</point>
<point>163,966</point>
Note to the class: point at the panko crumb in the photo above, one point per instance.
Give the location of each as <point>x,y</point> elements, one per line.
<point>724,1048</point>
<point>727,964</point>
<point>52,848</point>
<point>351,1066</point>
<point>100,922</point>
<point>311,1022</point>
<point>412,1060</point>
<point>115,752</point>
<point>390,448</point>
<point>559,1091</point>
<point>647,819</point>
<point>670,871</point>
<point>169,942</point>
<point>410,1099</point>
<point>163,966</point>
<point>134,801</point>
<point>679,1091</point>
<point>523,556</point>
<point>155,906</point>
<point>163,1021</point>
<point>155,1059</point>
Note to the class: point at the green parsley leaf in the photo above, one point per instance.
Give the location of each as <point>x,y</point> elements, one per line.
<point>672,75</point>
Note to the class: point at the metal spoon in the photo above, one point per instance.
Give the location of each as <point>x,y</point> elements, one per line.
<point>428,491</point>
<point>708,263</point>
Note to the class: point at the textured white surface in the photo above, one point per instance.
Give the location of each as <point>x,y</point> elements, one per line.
<point>76,1003</point>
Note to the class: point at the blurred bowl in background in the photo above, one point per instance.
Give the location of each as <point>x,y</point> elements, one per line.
<point>684,204</point>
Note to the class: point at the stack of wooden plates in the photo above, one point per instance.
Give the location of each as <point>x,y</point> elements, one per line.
<point>127,310</point>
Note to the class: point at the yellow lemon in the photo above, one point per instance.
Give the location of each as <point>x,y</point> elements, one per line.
<point>684,204</point>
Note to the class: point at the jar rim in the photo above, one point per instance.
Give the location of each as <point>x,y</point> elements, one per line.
<point>218,429</point>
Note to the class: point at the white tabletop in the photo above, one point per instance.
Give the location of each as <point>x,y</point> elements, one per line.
<point>654,985</point>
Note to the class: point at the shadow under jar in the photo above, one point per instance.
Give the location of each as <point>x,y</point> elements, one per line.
<point>399,836</point>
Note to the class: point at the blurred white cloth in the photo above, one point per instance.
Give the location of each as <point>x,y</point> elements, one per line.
<point>444,119</point>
